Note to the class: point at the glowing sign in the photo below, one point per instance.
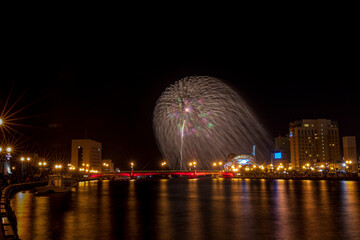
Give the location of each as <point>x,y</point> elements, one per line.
<point>277,155</point>
<point>244,161</point>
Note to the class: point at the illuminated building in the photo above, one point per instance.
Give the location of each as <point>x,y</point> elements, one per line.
<point>350,154</point>
<point>86,154</point>
<point>282,150</point>
<point>314,140</point>
<point>234,161</point>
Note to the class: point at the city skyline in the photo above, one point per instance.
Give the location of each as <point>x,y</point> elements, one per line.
<point>113,103</point>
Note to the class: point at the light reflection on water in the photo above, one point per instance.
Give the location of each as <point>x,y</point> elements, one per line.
<point>193,209</point>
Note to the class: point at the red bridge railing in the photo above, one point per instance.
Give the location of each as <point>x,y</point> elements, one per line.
<point>190,173</point>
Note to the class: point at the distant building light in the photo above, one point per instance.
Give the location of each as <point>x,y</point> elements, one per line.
<point>277,155</point>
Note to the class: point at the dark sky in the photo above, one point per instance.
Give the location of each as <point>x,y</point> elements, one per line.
<point>110,97</point>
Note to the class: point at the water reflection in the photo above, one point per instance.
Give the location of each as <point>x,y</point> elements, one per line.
<point>193,209</point>
<point>164,225</point>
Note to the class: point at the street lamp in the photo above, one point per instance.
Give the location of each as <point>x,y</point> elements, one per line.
<point>132,166</point>
<point>3,160</point>
<point>42,165</point>
<point>348,166</point>
<point>163,164</point>
<point>58,167</point>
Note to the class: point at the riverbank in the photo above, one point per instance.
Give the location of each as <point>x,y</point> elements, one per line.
<point>8,223</point>
<point>301,178</point>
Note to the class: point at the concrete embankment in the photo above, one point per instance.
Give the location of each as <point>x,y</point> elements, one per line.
<point>8,223</point>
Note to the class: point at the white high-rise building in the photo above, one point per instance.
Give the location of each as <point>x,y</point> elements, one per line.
<point>86,153</point>
<point>314,140</point>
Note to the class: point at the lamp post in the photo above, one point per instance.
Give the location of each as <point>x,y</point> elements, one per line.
<point>24,168</point>
<point>132,170</point>
<point>220,165</point>
<point>163,165</point>
<point>348,167</point>
<point>58,168</point>
<point>1,160</point>
<point>5,156</point>
<point>194,164</point>
<point>42,165</point>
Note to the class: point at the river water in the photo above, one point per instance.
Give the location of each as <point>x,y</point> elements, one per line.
<point>189,209</point>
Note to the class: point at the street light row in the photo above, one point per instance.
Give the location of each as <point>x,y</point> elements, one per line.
<point>8,149</point>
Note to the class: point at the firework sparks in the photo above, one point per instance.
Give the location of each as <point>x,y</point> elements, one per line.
<point>202,118</point>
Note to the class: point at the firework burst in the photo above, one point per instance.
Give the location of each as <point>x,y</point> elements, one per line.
<point>201,118</point>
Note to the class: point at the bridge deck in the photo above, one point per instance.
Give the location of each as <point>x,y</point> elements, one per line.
<point>164,172</point>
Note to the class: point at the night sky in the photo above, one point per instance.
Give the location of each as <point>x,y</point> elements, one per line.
<point>111,99</point>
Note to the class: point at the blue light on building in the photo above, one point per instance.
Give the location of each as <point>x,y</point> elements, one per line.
<point>277,155</point>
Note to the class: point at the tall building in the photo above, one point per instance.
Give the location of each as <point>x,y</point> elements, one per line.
<point>314,140</point>
<point>282,144</point>
<point>350,154</point>
<point>86,153</point>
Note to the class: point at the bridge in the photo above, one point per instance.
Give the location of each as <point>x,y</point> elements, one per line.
<point>189,173</point>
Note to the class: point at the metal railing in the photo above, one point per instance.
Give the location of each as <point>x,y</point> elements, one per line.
<point>8,223</point>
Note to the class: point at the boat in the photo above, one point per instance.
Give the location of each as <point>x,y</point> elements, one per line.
<point>57,184</point>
